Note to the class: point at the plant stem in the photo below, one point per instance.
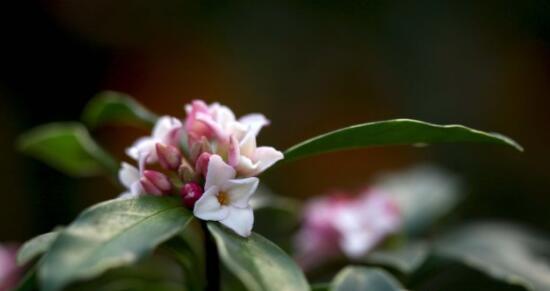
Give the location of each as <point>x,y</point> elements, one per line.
<point>212,261</point>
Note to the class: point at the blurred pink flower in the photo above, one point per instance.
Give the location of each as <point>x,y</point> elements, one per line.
<point>9,271</point>
<point>340,223</point>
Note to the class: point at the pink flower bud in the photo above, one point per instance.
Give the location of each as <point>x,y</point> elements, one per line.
<point>169,156</point>
<point>158,180</point>
<point>201,166</point>
<point>149,188</point>
<point>190,193</point>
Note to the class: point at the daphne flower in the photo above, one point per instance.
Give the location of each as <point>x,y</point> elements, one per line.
<point>226,199</point>
<point>250,160</point>
<point>236,138</point>
<point>167,131</point>
<point>366,223</point>
<point>219,122</point>
<point>341,223</point>
<point>129,177</point>
<point>9,271</point>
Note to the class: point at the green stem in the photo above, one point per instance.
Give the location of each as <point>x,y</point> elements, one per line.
<point>212,261</point>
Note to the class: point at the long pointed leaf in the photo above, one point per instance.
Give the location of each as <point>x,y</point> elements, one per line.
<point>111,234</point>
<point>67,147</point>
<point>35,247</point>
<point>114,107</point>
<point>257,262</point>
<point>393,132</point>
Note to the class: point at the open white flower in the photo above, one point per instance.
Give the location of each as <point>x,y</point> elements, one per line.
<point>129,177</point>
<point>167,131</point>
<point>250,160</point>
<point>226,199</point>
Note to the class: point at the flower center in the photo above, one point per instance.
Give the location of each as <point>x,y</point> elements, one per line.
<point>223,198</point>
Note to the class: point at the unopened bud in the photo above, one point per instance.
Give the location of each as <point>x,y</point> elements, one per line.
<point>158,179</point>
<point>186,173</point>
<point>169,156</point>
<point>148,187</point>
<point>190,193</point>
<point>200,147</point>
<point>201,165</point>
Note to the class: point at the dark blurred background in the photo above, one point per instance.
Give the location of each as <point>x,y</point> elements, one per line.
<point>310,66</point>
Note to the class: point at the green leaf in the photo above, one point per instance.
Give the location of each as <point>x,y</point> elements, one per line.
<point>67,147</point>
<point>157,273</point>
<point>320,287</point>
<point>362,278</point>
<point>257,262</point>
<point>393,132</point>
<point>406,258</point>
<point>188,249</point>
<point>424,194</point>
<point>28,281</point>
<point>503,251</point>
<point>114,107</point>
<point>35,247</point>
<point>108,235</point>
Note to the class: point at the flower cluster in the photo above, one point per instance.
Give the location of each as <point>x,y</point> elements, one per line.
<point>210,160</point>
<point>343,223</point>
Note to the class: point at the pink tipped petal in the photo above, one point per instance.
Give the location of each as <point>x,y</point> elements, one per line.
<point>218,172</point>
<point>169,156</point>
<point>149,187</point>
<point>240,220</point>
<point>254,122</point>
<point>213,126</point>
<point>165,127</point>
<point>201,165</point>
<point>234,152</point>
<point>128,175</point>
<point>196,106</point>
<point>266,157</point>
<point>240,191</point>
<point>158,179</point>
<point>209,208</point>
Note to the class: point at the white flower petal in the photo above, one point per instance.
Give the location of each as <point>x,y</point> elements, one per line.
<point>240,220</point>
<point>265,157</point>
<point>247,145</point>
<point>218,172</point>
<point>240,191</point>
<point>144,145</point>
<point>222,114</point>
<point>126,195</point>
<point>128,175</point>
<point>357,243</point>
<point>254,122</point>
<point>246,167</point>
<point>209,208</point>
<point>136,189</point>
<point>164,126</point>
